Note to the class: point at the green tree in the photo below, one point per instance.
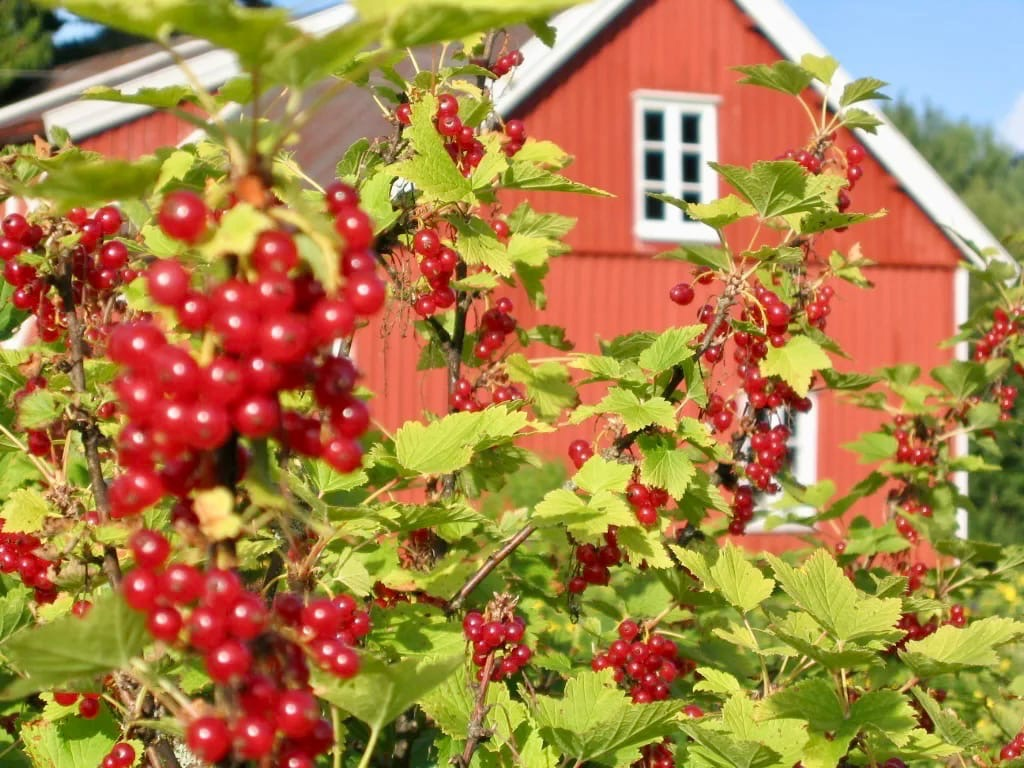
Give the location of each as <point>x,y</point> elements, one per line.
<point>26,40</point>
<point>989,176</point>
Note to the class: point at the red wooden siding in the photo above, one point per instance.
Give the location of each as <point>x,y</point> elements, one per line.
<point>139,137</point>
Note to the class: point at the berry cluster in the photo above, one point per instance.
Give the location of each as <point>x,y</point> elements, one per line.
<point>96,266</point>
<point>507,62</point>
<point>460,141</point>
<point>497,639</point>
<point>245,651</point>
<point>914,442</point>
<point>495,325</point>
<point>646,669</point>
<point>770,449</point>
<point>1014,749</point>
<point>276,331</point>
<point>1007,396</point>
<point>742,509</point>
<point>1003,327</point>
<point>656,756</point>
<point>18,555</point>
<point>646,501</point>
<point>466,397</point>
<point>121,755</point>
<point>593,563</point>
<point>88,703</point>
<point>913,629</point>
<point>580,452</point>
<point>826,155</point>
<point>437,265</point>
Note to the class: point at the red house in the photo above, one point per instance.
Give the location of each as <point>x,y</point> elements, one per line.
<point>643,93</point>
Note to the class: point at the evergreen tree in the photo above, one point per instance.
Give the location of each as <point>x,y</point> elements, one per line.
<point>26,41</point>
<point>989,177</point>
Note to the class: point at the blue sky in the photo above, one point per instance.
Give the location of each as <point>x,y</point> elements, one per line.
<point>962,56</point>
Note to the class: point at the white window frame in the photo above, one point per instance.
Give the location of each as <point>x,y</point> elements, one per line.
<point>674,228</point>
<point>804,470</point>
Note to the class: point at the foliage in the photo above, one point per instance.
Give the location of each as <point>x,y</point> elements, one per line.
<point>209,551</point>
<point>25,40</point>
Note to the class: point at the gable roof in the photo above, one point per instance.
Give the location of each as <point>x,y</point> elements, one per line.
<point>579,25</point>
<point>575,27</point>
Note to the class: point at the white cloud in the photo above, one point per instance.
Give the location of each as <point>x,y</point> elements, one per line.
<point>1011,127</point>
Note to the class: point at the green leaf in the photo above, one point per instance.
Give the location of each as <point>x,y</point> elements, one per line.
<point>14,611</point>
<point>887,712</point>
<point>430,169</point>
<point>852,382</point>
<point>796,363</point>
<point>523,175</point>
<point>961,378</point>
<point>670,348</point>
<point>820,221</point>
<point>822,67</point>
<point>863,89</point>
<point>73,742</point>
<point>306,60</point>
<point>39,409</point>
<point>814,701</point>
<point>24,511</point>
<point>419,22</point>
<point>637,414</point>
<point>236,233</point>
<point>548,385</point>
<point>448,444</point>
<point>711,256</point>
<point>952,649</point>
<point>718,213</point>
<point>784,76</point>
<point>645,545</point>
<point>595,720</point>
<point>70,648</point>
<point>668,468</point>
<point>584,518</point>
<point>948,726</point>
<point>598,474</point>
<point>781,187</point>
<point>873,446</point>
<point>801,632</point>
<point>477,244</point>
<point>381,692</point>
<point>158,98</point>
<point>713,680</point>
<point>251,33</point>
<point>80,181</point>
<point>861,118</point>
<point>730,574</point>
<point>822,589</point>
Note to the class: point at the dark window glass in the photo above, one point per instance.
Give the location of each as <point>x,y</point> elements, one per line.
<point>654,126</point>
<point>691,167</point>
<point>691,129</point>
<point>690,197</point>
<point>654,166</point>
<point>654,209</point>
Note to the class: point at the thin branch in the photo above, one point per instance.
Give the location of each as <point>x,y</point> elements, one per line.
<point>476,730</point>
<point>488,565</point>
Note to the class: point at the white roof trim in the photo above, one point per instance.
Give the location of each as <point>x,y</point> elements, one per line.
<point>579,25</point>
<point>211,66</point>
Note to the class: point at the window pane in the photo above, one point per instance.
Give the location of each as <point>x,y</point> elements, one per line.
<point>691,167</point>
<point>654,126</point>
<point>691,129</point>
<point>654,209</point>
<point>690,197</point>
<point>654,166</point>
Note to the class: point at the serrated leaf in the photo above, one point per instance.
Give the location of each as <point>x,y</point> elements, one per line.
<point>784,76</point>
<point>718,213</point>
<point>948,726</point>
<point>306,60</point>
<point>448,444</point>
<point>780,187</point>
<point>795,363</point>
<point>24,511</point>
<point>431,170</point>
<point>873,446</point>
<point>598,474</point>
<point>862,119</point>
<point>670,348</point>
<point>646,545</point>
<point>523,175</point>
<point>852,382</point>
<point>594,720</point>
<point>862,89</point>
<point>236,232</point>
<point>548,386</point>
<point>73,742</point>
<point>961,378</point>
<point>637,414</point>
<point>822,67</point>
<point>381,692</point>
<point>667,468</point>
<point>730,574</point>
<point>70,648</point>
<point>951,649</point>
<point>887,712</point>
<point>716,681</point>
<point>802,633</point>
<point>584,518</point>
<point>478,245</point>
<point>158,98</point>
<point>821,588</point>
<point>85,182</point>
<point>39,409</point>
<point>814,701</point>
